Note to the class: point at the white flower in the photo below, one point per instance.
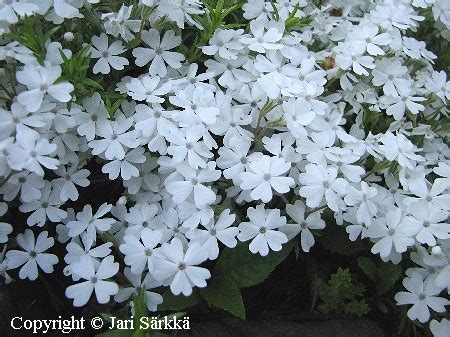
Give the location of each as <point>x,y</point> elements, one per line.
<point>120,24</point>
<point>180,268</point>
<point>139,255</point>
<point>70,178</point>
<point>95,113</point>
<point>191,182</point>
<point>321,181</point>
<point>224,43</point>
<point>95,276</point>
<point>5,230</point>
<point>363,201</point>
<point>392,230</point>
<point>396,106</point>
<point>46,207</point>
<point>125,166</point>
<point>264,174</point>
<point>28,184</point>
<point>440,329</point>
<point>368,34</point>
<point>40,81</point>
<point>159,52</point>
<point>186,144</point>
<point>152,299</point>
<point>199,106</point>
<point>115,136</point>
<point>430,223</point>
<point>390,74</point>
<point>33,256</point>
<point>302,225</point>
<point>30,153</point>
<point>350,54</point>
<point>439,85</point>
<point>262,230</point>
<point>107,55</point>
<point>141,216</point>
<point>82,246</point>
<point>86,221</point>
<point>260,40</point>
<point>12,10</point>
<point>298,113</point>
<point>221,231</point>
<point>423,295</point>
<point>398,147</point>
<point>181,11</point>
<point>148,88</point>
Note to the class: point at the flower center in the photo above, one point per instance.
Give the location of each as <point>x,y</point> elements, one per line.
<point>94,279</point>
<point>263,230</point>
<point>267,177</point>
<point>182,266</point>
<point>33,254</point>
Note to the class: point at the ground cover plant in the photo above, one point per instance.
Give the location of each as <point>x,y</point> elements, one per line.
<point>159,154</point>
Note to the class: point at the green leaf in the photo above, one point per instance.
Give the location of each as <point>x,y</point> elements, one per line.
<point>247,269</point>
<point>336,240</point>
<point>140,310</point>
<point>172,302</point>
<point>368,267</point>
<point>388,274</point>
<point>223,293</point>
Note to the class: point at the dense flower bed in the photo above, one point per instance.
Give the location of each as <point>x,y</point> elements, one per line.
<point>226,122</point>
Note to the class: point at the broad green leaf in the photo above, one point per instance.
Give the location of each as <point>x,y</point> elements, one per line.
<point>247,269</point>
<point>223,293</point>
<point>368,267</point>
<point>336,240</point>
<point>388,274</point>
<point>180,302</point>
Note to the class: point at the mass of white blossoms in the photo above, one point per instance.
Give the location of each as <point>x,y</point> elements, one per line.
<point>219,134</point>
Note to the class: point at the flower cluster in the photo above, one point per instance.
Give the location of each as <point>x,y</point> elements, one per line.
<point>248,133</point>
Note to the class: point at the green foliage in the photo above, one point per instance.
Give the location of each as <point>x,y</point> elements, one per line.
<point>214,19</point>
<point>33,37</point>
<point>248,269</point>
<point>341,295</point>
<point>236,268</point>
<point>293,22</point>
<point>335,239</point>
<point>384,276</point>
<point>180,302</point>
<point>113,101</point>
<point>223,293</point>
<point>75,71</point>
<point>140,310</point>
